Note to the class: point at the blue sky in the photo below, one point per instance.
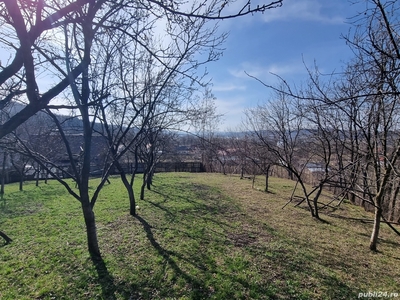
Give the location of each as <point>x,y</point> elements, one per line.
<point>278,41</point>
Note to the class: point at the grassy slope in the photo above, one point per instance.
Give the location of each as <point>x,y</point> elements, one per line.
<point>197,236</point>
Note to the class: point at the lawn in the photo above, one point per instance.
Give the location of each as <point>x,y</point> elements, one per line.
<point>196,236</point>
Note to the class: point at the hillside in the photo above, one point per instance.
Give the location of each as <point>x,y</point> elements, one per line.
<point>196,236</point>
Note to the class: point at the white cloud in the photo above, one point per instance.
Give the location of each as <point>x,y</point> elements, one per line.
<point>286,69</point>
<point>262,72</point>
<point>228,87</point>
<point>246,67</point>
<point>308,10</point>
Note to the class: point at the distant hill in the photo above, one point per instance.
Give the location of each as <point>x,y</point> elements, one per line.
<point>70,124</point>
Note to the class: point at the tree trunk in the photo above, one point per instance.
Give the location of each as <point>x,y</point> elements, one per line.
<point>145,177</point>
<point>129,188</point>
<point>351,197</point>
<point>132,201</point>
<point>149,179</point>
<point>266,182</point>
<point>37,175</point>
<point>393,200</point>
<point>375,230</point>
<point>132,181</point>
<point>267,179</point>
<point>3,173</point>
<point>131,195</point>
<point>142,188</point>
<point>315,202</point>
<point>91,231</point>
<point>310,207</point>
<point>21,182</point>
<point>290,174</point>
<point>379,200</point>
<point>306,195</point>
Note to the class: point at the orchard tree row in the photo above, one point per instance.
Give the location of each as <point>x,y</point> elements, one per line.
<point>131,66</point>
<point>345,126</point>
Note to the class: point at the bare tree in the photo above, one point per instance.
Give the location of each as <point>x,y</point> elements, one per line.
<point>213,152</point>
<point>280,126</point>
<point>262,159</point>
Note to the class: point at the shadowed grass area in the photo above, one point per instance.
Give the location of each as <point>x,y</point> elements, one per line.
<point>196,236</point>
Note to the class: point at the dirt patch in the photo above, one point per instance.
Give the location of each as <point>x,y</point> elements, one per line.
<point>242,239</point>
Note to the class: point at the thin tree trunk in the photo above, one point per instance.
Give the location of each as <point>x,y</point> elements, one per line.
<point>129,188</point>
<point>267,179</point>
<point>375,230</point>
<point>310,207</point>
<point>91,230</point>
<point>37,175</point>
<point>149,179</point>
<point>144,183</point>
<point>21,182</point>
<point>150,170</point>
<point>315,202</point>
<point>132,201</point>
<point>87,206</point>
<point>3,173</point>
<point>379,200</point>
<point>132,181</point>
<point>394,198</point>
<point>142,188</point>
<point>266,182</point>
<point>306,195</point>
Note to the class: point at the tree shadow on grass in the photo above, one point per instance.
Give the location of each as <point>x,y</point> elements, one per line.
<point>106,280</point>
<point>110,287</point>
<point>6,238</point>
<point>3,244</point>
<point>197,209</point>
<point>198,290</point>
<point>246,238</point>
<point>163,208</point>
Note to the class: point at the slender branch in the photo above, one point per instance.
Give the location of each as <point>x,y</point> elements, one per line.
<point>245,10</point>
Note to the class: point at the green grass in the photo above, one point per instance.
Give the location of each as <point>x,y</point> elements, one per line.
<point>196,236</point>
